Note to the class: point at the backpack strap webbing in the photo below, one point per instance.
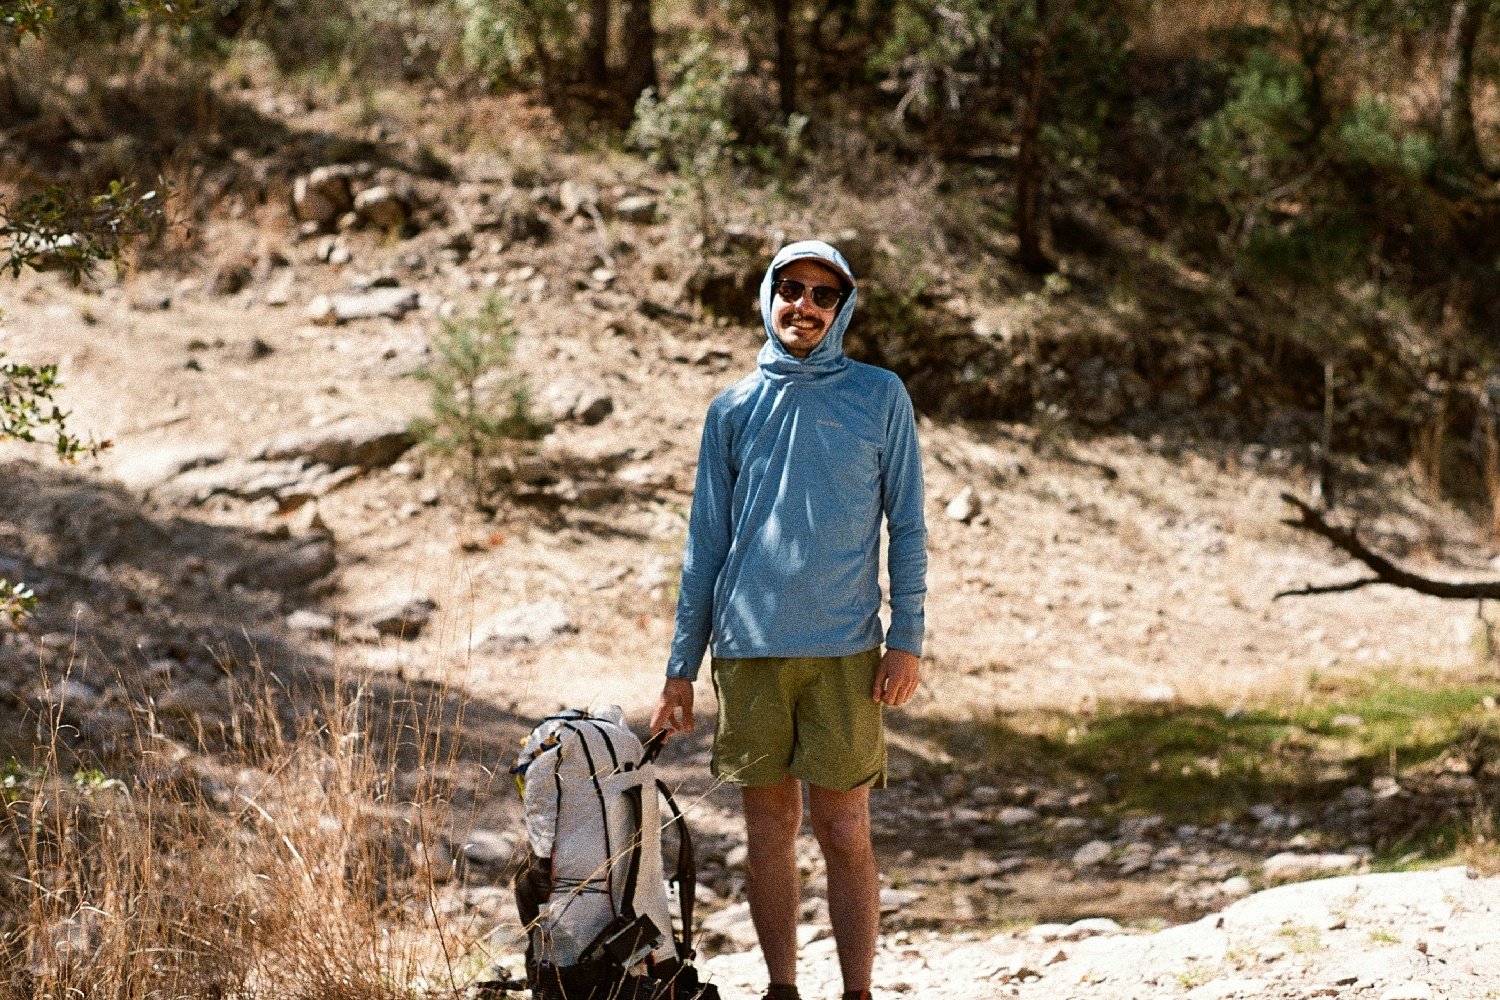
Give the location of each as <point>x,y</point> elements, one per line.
<point>633,866</point>
<point>588,756</point>
<point>686,875</point>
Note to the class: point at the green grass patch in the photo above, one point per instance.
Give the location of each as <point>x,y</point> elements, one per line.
<point>1426,847</point>
<point>1201,764</point>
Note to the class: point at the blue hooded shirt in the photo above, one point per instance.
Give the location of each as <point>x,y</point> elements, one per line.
<point>798,464</point>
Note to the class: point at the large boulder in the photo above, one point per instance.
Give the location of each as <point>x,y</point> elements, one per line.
<point>383,207</point>
<point>322,196</point>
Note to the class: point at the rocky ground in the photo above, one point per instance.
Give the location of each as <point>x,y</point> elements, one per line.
<point>263,501</point>
<point>1411,936</point>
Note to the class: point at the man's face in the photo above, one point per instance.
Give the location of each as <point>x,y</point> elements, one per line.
<point>801,325</point>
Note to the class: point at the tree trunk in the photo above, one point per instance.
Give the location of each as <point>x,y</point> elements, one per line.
<point>1456,99</point>
<point>1030,170</point>
<point>10,104</point>
<point>596,45</point>
<point>639,33</point>
<point>786,58</point>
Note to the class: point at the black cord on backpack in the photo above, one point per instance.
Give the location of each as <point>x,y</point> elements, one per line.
<point>653,746</point>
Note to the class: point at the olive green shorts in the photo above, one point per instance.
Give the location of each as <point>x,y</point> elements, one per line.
<point>810,717</point>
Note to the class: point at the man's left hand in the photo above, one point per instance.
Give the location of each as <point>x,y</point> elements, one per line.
<point>896,680</point>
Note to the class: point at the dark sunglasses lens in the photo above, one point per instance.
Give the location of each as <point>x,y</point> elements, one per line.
<point>825,297</point>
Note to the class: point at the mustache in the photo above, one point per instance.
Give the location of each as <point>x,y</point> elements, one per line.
<point>794,314</point>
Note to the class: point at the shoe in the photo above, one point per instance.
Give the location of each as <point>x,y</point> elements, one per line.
<point>778,991</point>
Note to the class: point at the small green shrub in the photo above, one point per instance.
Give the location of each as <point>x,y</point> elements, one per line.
<point>687,129</point>
<point>479,406</point>
<point>517,42</point>
<point>59,230</point>
<point>1256,142</point>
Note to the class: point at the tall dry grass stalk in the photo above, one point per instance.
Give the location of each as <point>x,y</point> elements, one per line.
<point>288,864</point>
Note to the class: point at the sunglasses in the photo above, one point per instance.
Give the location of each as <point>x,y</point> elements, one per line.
<point>823,296</point>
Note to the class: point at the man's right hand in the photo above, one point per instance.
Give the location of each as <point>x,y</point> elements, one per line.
<point>674,710</point>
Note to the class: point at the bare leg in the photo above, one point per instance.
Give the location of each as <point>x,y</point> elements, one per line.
<point>841,821</point>
<point>773,815</point>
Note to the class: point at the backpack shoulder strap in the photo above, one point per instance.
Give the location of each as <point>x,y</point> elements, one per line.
<point>686,875</point>
<point>588,757</point>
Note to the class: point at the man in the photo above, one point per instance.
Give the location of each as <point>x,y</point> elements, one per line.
<point>798,464</point>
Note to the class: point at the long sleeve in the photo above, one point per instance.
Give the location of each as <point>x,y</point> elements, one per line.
<point>902,499</point>
<point>707,547</point>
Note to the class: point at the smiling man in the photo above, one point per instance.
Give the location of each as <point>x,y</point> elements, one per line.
<point>799,464</point>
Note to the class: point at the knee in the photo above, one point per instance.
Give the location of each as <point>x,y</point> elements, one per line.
<point>842,832</point>
<point>773,817</point>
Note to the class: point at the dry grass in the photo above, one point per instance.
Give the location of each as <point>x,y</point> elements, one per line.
<point>1479,846</point>
<point>288,865</point>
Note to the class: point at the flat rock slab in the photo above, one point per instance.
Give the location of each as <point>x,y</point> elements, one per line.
<point>404,619</point>
<point>330,310</point>
<point>521,626</point>
<point>251,481</point>
<point>1287,866</point>
<point>363,441</point>
<point>145,470</point>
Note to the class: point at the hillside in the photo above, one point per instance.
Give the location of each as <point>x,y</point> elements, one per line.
<point>1118,720</point>
<point>237,517</point>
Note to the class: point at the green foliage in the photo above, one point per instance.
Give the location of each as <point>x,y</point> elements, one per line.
<point>25,17</point>
<point>959,63</point>
<point>785,154</point>
<point>479,407</point>
<point>18,782</point>
<point>1304,203</point>
<point>352,44</point>
<point>519,42</point>
<point>1201,764</point>
<point>1256,139</point>
<point>1369,137</point>
<point>14,780</point>
<point>28,413</point>
<point>59,230</point>
<point>16,601</point>
<point>688,129</point>
<point>937,53</point>
<point>38,18</point>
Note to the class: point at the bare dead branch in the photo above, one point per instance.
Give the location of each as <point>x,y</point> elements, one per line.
<point>1329,588</point>
<point>1385,571</point>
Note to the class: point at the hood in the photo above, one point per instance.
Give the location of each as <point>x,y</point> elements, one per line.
<point>828,357</point>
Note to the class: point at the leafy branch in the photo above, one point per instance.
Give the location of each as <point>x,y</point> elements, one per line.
<point>27,410</point>
<point>57,230</point>
<point>34,17</point>
<point>16,601</point>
